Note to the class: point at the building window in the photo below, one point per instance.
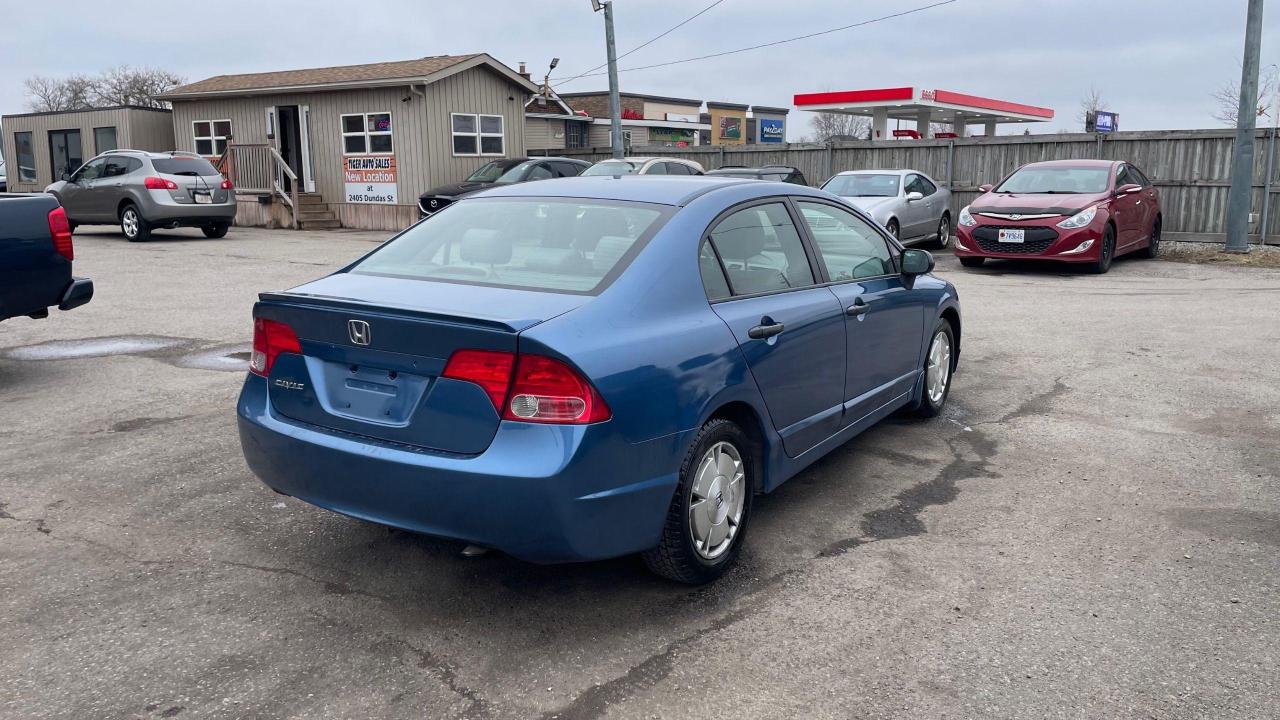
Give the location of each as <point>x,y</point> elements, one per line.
<point>104,139</point>
<point>366,133</point>
<point>575,134</point>
<point>26,157</point>
<point>211,136</point>
<point>477,134</point>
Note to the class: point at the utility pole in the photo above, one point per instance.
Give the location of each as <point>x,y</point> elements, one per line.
<point>615,102</point>
<point>1239,197</point>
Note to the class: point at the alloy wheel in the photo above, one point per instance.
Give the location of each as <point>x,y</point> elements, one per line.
<point>717,499</point>
<point>129,222</point>
<point>938,368</point>
<point>944,233</point>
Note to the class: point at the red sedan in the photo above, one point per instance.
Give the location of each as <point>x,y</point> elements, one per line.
<point>1075,211</point>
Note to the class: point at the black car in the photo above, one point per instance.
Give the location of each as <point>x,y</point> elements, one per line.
<point>777,173</point>
<point>500,172</point>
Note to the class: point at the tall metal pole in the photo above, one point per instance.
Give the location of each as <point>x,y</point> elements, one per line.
<point>615,102</point>
<point>1239,197</point>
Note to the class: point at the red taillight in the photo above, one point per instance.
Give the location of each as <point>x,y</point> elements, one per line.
<point>159,183</point>
<point>226,185</point>
<point>270,338</point>
<point>60,230</point>
<point>489,369</point>
<point>529,388</point>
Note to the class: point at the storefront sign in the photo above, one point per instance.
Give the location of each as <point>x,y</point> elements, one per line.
<point>671,135</point>
<point>772,131</point>
<point>370,178</point>
<point>730,128</point>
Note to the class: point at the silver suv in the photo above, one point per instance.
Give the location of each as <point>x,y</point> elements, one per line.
<point>143,190</point>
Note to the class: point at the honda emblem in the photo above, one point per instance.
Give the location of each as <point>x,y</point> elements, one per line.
<point>358,330</point>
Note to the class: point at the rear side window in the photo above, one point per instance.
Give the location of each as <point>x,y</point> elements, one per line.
<point>712,274</point>
<point>847,245</point>
<point>527,243</point>
<point>761,250</point>
<point>183,165</point>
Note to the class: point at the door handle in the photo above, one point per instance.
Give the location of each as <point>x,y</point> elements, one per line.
<point>762,332</point>
<point>859,307</point>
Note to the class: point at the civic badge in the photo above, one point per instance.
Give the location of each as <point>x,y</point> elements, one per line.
<point>358,331</point>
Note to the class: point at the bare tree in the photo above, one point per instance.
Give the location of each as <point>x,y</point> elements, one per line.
<point>1227,97</point>
<point>121,85</point>
<point>839,126</point>
<point>1091,103</point>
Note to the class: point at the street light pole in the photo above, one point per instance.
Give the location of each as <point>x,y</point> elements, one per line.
<point>615,102</point>
<point>1240,196</point>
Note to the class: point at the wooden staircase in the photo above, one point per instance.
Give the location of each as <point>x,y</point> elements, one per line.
<point>314,213</point>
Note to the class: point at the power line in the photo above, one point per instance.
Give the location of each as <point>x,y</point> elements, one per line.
<point>640,47</point>
<point>872,21</point>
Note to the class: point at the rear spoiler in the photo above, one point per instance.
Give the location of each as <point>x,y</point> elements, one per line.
<point>328,301</point>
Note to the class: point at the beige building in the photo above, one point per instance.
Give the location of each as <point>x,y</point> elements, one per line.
<point>728,123</point>
<point>352,146</point>
<point>646,119</point>
<point>551,125</point>
<point>41,148</point>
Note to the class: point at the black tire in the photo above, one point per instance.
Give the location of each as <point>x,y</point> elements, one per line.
<point>892,227</point>
<point>1153,246</point>
<point>944,233</point>
<point>926,406</point>
<point>133,225</point>
<point>215,231</point>
<point>972,261</point>
<point>1106,254</point>
<point>676,557</point>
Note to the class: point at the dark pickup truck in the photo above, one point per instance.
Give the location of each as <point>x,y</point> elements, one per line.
<point>35,258</point>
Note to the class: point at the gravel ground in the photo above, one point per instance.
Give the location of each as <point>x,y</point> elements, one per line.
<point>1267,256</point>
<point>1091,530</point>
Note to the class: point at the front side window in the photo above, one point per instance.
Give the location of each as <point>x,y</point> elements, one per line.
<point>367,133</point>
<point>863,185</point>
<point>92,170</point>
<point>477,134</point>
<point>211,136</point>
<point>1123,177</point>
<point>525,243</point>
<point>1057,180</point>
<point>917,183</point>
<point>761,250</point>
<point>104,139</point>
<point>847,245</point>
<point>26,157</point>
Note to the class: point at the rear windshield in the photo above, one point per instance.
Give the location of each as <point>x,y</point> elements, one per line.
<point>617,167</point>
<point>180,165</point>
<point>528,243</point>
<point>866,185</point>
<point>1055,180</point>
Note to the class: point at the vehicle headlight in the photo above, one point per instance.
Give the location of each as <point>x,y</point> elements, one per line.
<point>965,218</point>
<point>1080,219</point>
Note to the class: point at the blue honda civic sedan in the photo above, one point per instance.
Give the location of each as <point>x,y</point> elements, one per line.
<point>592,367</point>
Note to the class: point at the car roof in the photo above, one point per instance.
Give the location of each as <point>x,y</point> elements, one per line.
<point>1083,162</point>
<point>663,189</point>
<point>757,170</point>
<point>884,171</point>
<point>562,159</point>
<point>149,154</point>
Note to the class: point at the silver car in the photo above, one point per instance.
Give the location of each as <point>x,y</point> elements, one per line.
<point>644,166</point>
<point>908,203</point>
<point>142,191</point>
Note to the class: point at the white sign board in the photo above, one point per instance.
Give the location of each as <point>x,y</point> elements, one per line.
<point>370,179</point>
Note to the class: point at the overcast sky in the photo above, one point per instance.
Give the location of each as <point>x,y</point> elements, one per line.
<point>1154,61</point>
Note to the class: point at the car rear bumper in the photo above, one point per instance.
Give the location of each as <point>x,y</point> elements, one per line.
<point>78,293</point>
<point>541,493</point>
<point>167,212</point>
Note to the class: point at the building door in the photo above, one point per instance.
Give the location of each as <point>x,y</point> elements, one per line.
<point>288,142</point>
<point>65,155</point>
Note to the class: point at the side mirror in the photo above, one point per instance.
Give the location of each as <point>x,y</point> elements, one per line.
<point>985,188</point>
<point>914,196</point>
<point>916,262</point>
<point>67,177</point>
<point>1128,189</point>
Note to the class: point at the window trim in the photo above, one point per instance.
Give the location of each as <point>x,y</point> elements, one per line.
<point>785,200</point>
<point>479,134</point>
<point>366,133</point>
<point>213,137</point>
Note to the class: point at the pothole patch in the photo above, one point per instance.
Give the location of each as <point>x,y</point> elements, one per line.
<point>93,347</point>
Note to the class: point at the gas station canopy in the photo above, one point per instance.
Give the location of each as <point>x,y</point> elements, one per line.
<point>922,107</point>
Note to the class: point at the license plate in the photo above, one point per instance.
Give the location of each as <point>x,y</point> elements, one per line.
<point>206,199</point>
<point>1012,236</point>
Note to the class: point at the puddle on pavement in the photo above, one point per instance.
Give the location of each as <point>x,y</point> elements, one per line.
<point>229,359</point>
<point>93,347</point>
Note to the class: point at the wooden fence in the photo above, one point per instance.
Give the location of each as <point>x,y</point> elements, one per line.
<point>1190,167</point>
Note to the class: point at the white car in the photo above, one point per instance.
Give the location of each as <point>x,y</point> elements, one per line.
<point>908,203</point>
<point>645,166</point>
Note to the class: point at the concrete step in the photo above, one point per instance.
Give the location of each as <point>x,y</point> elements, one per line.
<point>318,224</point>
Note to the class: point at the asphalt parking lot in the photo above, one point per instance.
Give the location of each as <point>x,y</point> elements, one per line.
<point>1092,529</point>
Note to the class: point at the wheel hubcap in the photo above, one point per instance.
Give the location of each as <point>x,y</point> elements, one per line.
<point>938,370</point>
<point>893,230</point>
<point>944,233</point>
<point>717,501</point>
<point>130,223</point>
